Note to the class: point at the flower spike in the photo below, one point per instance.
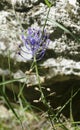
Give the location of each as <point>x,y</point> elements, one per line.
<point>34,44</point>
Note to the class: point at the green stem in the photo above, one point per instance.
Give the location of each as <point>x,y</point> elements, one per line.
<point>43,99</point>
<point>46,20</point>
<point>38,78</point>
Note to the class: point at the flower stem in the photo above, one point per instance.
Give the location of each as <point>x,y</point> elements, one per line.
<point>43,99</point>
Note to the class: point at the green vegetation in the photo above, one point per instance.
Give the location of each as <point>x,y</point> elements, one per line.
<point>22,115</point>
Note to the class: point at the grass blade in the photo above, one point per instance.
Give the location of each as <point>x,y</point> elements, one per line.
<point>11,81</point>
<point>48,3</point>
<point>63,28</point>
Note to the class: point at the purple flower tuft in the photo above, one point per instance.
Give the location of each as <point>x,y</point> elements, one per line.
<point>34,44</point>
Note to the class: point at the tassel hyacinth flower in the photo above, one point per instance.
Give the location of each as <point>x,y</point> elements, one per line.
<point>35,43</point>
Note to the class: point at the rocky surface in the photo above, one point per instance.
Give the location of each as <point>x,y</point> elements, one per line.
<point>60,68</point>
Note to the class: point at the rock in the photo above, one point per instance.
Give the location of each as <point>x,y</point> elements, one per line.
<point>59,70</point>
<point>4,113</point>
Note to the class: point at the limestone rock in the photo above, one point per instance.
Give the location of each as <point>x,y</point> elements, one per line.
<point>59,70</point>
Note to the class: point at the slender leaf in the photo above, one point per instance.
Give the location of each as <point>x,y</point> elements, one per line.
<point>61,26</point>
<point>10,81</point>
<point>48,3</point>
